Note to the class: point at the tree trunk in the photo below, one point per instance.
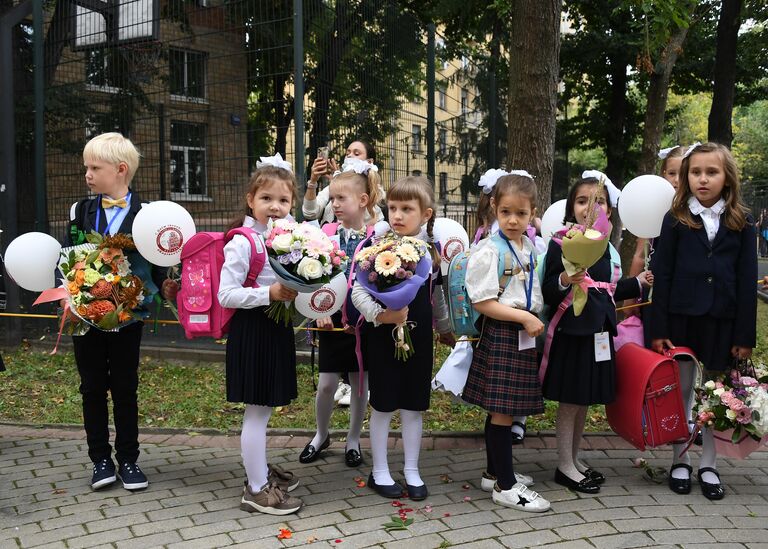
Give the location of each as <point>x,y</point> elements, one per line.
<point>615,144</point>
<point>534,68</point>
<point>724,89</point>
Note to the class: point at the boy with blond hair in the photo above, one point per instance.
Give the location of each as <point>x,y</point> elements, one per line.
<point>109,360</point>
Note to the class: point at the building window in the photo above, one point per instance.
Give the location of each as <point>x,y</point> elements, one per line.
<point>188,162</point>
<point>187,74</point>
<point>443,185</point>
<point>97,123</point>
<point>98,71</point>
<point>443,141</point>
<point>464,100</point>
<point>442,97</point>
<point>416,138</point>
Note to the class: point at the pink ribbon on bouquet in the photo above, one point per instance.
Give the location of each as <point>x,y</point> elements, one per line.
<point>56,294</point>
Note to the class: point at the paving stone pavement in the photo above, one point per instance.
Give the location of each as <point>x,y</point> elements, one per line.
<point>196,482</point>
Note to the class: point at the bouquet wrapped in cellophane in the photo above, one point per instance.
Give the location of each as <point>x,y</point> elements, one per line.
<point>583,246</point>
<point>392,270</point>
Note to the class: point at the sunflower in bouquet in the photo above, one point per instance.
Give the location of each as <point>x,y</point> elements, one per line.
<point>102,291</point>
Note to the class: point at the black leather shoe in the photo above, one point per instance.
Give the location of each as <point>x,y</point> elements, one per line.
<point>711,491</point>
<point>353,458</point>
<point>310,453</point>
<point>594,476</point>
<point>417,493</point>
<point>680,485</point>
<point>699,440</point>
<point>517,438</point>
<point>393,491</point>
<point>587,485</point>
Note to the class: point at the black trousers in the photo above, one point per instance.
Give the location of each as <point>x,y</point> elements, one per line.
<point>109,361</point>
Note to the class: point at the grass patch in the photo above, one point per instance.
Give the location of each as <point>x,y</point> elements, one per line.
<point>38,388</point>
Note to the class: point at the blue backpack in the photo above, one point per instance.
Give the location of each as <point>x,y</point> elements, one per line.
<point>464,317</point>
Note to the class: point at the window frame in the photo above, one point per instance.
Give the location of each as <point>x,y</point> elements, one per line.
<point>185,76</point>
<point>186,195</point>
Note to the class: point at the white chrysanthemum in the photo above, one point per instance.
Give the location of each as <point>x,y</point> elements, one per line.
<point>408,252</point>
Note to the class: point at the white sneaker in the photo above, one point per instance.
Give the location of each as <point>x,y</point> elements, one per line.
<point>487,481</point>
<point>520,497</point>
<point>346,396</point>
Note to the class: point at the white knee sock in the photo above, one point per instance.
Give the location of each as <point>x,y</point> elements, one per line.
<point>326,386</point>
<point>564,428</point>
<point>516,428</point>
<point>687,381</point>
<point>379,426</point>
<point>708,456</point>
<point>357,407</point>
<point>412,425</point>
<point>578,430</point>
<point>253,444</point>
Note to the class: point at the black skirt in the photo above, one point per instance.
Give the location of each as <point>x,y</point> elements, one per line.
<point>394,384</point>
<point>337,349</point>
<point>261,360</point>
<point>574,377</point>
<point>710,339</point>
<point>503,379</point>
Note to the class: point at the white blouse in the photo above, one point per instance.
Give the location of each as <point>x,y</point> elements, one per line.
<point>237,261</point>
<point>482,278</point>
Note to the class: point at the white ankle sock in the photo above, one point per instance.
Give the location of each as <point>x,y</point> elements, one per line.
<point>253,444</point>
<point>379,432</point>
<point>412,426</point>
<point>516,428</point>
<point>357,407</point>
<point>326,386</point>
<point>708,456</point>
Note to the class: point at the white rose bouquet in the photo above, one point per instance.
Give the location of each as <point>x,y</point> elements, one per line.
<point>303,258</point>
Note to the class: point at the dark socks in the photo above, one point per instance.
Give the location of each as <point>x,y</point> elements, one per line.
<point>489,468</point>
<point>500,446</point>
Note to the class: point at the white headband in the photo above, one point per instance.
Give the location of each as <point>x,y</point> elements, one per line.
<point>690,149</point>
<point>613,191</point>
<point>276,161</point>
<point>358,165</point>
<point>521,173</point>
<point>664,153</point>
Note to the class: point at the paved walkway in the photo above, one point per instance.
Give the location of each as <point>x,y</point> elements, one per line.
<point>196,481</point>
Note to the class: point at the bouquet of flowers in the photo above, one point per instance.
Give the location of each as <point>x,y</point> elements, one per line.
<point>735,406</point>
<point>392,270</point>
<point>583,246</point>
<point>101,289</point>
<point>303,257</point>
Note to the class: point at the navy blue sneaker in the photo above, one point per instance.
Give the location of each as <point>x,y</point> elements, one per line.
<point>132,476</point>
<point>103,474</point>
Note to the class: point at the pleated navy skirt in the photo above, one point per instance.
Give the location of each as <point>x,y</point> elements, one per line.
<point>337,350</point>
<point>261,360</point>
<point>710,338</point>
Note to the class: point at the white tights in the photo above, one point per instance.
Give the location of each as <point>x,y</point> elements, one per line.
<point>569,428</point>
<point>326,387</point>
<point>253,444</point>
<point>412,426</point>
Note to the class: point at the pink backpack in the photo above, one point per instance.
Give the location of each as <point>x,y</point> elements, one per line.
<point>202,258</point>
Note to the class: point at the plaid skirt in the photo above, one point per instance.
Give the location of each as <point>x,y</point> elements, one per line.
<point>503,379</point>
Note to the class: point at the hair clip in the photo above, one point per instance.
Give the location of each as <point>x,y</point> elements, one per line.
<point>276,161</point>
<point>613,191</point>
<point>690,149</point>
<point>489,178</point>
<point>664,153</point>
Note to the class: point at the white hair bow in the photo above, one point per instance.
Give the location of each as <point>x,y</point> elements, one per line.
<point>521,173</point>
<point>489,178</point>
<point>664,153</point>
<point>358,165</point>
<point>276,161</point>
<point>690,149</point>
<point>613,191</point>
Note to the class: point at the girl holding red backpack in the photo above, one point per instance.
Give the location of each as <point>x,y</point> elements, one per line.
<point>353,194</point>
<point>261,353</point>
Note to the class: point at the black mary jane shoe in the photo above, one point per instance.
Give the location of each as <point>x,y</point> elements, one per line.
<point>516,437</point>
<point>393,491</point>
<point>586,485</point>
<point>310,453</point>
<point>353,458</point>
<point>680,485</point>
<point>594,475</point>
<point>417,493</point>
<point>711,491</point>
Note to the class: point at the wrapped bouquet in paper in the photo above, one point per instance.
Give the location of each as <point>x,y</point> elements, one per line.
<point>303,258</point>
<point>583,246</point>
<point>392,270</point>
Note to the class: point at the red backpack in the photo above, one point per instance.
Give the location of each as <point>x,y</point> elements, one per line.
<point>648,410</point>
<point>202,258</point>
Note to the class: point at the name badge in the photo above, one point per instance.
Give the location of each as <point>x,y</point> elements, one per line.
<point>602,347</point>
<point>524,341</point>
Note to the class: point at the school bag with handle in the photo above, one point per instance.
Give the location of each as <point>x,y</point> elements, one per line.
<point>464,318</point>
<point>202,258</point>
<point>648,410</point>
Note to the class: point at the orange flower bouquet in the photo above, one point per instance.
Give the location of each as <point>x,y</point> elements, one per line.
<point>102,290</point>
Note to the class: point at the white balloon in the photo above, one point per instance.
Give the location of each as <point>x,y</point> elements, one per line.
<point>160,230</point>
<point>453,240</point>
<point>324,301</point>
<point>552,220</point>
<point>31,261</point>
<point>643,203</point>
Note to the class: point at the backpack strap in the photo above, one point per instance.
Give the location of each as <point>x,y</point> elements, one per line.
<point>351,277</point>
<point>615,264</point>
<point>506,264</point>
<point>258,253</point>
